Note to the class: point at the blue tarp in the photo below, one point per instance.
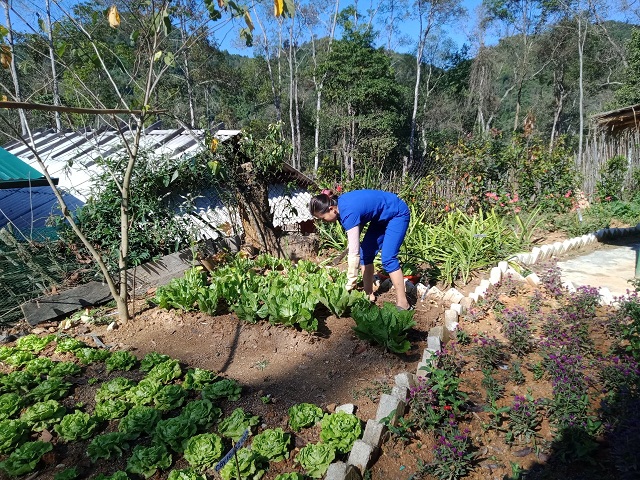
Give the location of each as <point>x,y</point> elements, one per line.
<point>27,210</point>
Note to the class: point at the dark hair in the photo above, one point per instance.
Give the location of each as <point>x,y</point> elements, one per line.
<point>320,203</point>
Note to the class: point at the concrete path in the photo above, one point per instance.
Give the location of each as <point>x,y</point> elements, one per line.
<point>610,267</point>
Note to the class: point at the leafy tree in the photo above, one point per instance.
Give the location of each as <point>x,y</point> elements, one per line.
<point>629,92</point>
<point>366,101</point>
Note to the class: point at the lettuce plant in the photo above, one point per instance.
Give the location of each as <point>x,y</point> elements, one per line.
<point>201,412</point>
<point>169,397</point>
<point>68,344</point>
<point>340,430</point>
<point>76,426</point>
<point>290,476</point>
<point>10,404</point>
<point>315,458</point>
<point>304,415</point>
<point>25,458</point>
<point>6,352</point>
<point>34,343</point>
<point>52,389</point>
<point>174,432</point>
<point>18,381</point>
<point>121,360</point>
<point>165,372</point>
<point>39,366</point>
<point>152,359</point>
<point>119,475</point>
<point>43,414</point>
<point>185,474</point>
<point>114,388</point>
<point>144,392</point>
<point>146,461</point>
<point>182,293</point>
<point>198,378</point>
<point>111,408</point>
<point>252,466</point>
<point>386,326</point>
<point>225,388</point>
<point>203,451</point>
<point>108,445</point>
<point>12,432</point>
<point>64,369</point>
<point>19,358</point>
<point>88,355</point>
<point>235,424</point>
<point>139,419</point>
<point>272,444</point>
<point>67,474</point>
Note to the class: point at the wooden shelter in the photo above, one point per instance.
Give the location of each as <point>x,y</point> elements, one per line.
<point>613,133</point>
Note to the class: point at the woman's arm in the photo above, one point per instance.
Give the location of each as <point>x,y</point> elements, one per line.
<point>353,259</point>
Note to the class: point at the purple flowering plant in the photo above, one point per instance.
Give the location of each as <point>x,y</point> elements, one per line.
<point>489,352</point>
<point>452,453</point>
<point>435,397</point>
<point>551,279</point>
<point>524,420</point>
<point>515,325</point>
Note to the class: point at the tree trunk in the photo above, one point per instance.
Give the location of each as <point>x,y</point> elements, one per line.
<point>581,42</point>
<point>290,57</point>
<point>14,71</point>
<point>54,75</point>
<point>187,72</point>
<point>255,214</point>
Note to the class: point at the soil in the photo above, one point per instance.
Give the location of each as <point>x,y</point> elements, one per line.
<point>328,368</point>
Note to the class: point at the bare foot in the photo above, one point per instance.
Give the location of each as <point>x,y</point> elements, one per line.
<point>372,297</point>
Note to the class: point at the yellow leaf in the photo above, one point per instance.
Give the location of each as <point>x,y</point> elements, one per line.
<point>214,147</point>
<point>248,21</point>
<point>5,56</point>
<point>113,16</point>
<point>278,6</point>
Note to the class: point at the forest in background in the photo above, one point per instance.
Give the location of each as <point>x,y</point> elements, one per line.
<point>348,102</point>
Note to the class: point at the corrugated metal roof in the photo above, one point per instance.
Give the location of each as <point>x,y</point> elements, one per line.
<point>27,210</point>
<point>15,173</point>
<point>70,156</point>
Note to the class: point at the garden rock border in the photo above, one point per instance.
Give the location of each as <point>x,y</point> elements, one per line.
<point>365,451</point>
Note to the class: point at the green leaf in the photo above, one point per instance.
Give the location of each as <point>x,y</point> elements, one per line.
<point>273,444</point>
<point>234,425</point>
<point>203,451</point>
<point>140,419</point>
<point>340,430</point>
<point>25,458</point>
<point>76,426</point>
<point>12,432</point>
<point>250,464</point>
<point>108,445</point>
<point>304,415</point>
<point>226,388</point>
<point>175,432</point>
<point>146,461</point>
<point>315,458</point>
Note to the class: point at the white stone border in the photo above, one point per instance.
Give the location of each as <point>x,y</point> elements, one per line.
<point>365,451</point>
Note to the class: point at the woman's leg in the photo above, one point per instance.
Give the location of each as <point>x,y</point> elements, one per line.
<point>393,238</point>
<point>369,248</point>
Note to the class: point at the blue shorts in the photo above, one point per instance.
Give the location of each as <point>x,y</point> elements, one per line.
<point>385,237</point>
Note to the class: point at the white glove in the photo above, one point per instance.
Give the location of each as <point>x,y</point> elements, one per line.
<point>353,268</point>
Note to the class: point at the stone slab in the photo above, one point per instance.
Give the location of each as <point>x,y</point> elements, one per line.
<point>55,307</point>
<point>362,455</point>
<point>390,405</point>
<point>405,379</point>
<point>92,294</point>
<point>373,433</point>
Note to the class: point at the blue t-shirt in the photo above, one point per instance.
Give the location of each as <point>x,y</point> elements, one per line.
<point>363,206</point>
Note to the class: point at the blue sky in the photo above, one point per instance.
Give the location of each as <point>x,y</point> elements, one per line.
<point>227,33</point>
